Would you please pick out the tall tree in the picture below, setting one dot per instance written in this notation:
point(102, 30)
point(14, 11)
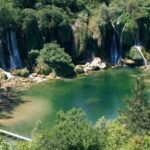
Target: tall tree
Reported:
point(137, 111)
point(24, 3)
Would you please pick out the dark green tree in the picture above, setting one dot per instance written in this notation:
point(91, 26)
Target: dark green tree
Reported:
point(71, 132)
point(137, 111)
point(24, 3)
point(55, 57)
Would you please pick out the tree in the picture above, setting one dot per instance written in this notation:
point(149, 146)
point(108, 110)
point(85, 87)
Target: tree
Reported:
point(71, 132)
point(137, 111)
point(55, 57)
point(33, 55)
point(31, 29)
point(117, 136)
point(73, 5)
point(24, 3)
point(4, 145)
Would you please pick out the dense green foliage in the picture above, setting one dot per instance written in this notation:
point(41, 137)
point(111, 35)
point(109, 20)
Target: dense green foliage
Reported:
point(4, 145)
point(81, 27)
point(55, 59)
point(137, 112)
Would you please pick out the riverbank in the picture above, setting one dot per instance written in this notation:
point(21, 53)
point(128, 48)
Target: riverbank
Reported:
point(25, 82)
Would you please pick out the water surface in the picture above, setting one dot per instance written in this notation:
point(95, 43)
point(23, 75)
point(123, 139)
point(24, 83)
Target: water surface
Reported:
point(99, 94)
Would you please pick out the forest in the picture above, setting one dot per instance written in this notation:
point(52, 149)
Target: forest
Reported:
point(80, 29)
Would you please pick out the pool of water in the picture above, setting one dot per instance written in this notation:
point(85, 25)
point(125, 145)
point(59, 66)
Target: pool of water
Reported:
point(98, 94)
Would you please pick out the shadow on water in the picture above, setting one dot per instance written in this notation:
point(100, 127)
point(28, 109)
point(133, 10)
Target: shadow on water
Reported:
point(9, 100)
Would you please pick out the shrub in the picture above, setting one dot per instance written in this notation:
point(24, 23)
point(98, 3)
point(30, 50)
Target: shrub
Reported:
point(21, 72)
point(32, 55)
point(54, 57)
point(42, 68)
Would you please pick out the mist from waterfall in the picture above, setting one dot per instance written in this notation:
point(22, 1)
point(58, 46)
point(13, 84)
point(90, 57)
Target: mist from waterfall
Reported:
point(15, 61)
point(137, 45)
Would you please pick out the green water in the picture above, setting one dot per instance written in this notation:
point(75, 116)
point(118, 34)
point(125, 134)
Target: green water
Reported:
point(99, 94)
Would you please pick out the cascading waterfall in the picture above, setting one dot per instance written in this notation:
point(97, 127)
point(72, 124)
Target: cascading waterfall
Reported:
point(12, 64)
point(15, 61)
point(139, 48)
point(137, 39)
point(114, 51)
point(75, 40)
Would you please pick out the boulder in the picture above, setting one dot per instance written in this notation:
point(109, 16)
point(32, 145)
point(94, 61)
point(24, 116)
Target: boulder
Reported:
point(79, 69)
point(129, 62)
point(34, 74)
point(134, 54)
point(3, 76)
point(103, 66)
point(96, 64)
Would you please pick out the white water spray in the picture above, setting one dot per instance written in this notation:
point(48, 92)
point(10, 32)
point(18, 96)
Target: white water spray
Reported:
point(114, 51)
point(139, 48)
point(15, 61)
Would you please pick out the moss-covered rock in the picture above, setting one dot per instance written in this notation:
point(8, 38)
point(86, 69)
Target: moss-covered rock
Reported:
point(139, 55)
point(134, 54)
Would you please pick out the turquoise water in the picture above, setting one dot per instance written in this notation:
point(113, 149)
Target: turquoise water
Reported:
point(98, 94)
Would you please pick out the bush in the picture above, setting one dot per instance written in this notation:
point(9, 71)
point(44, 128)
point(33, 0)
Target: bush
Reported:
point(21, 72)
point(54, 57)
point(42, 68)
point(23, 3)
point(33, 55)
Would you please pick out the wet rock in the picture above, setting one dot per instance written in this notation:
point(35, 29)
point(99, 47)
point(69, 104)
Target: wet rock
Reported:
point(3, 76)
point(34, 74)
point(79, 69)
point(96, 64)
point(129, 62)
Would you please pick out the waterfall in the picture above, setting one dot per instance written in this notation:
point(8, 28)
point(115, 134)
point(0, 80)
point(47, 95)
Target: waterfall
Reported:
point(114, 51)
point(12, 64)
point(15, 61)
point(139, 48)
point(137, 39)
point(75, 41)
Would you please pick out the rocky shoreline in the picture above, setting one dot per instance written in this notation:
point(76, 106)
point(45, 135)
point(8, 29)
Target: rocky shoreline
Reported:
point(8, 80)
